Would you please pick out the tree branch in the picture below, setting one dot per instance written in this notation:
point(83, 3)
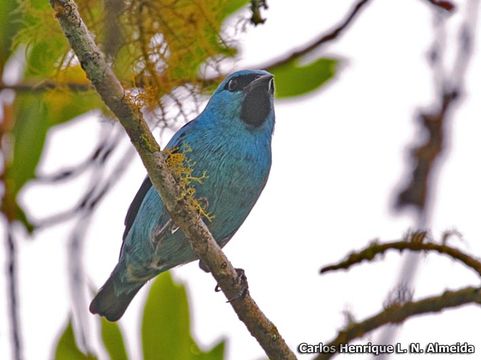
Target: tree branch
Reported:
point(45, 86)
point(13, 293)
point(322, 40)
point(400, 312)
point(189, 221)
point(375, 249)
point(435, 121)
point(443, 4)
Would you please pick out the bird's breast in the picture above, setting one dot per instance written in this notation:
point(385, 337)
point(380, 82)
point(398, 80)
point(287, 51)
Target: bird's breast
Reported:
point(236, 175)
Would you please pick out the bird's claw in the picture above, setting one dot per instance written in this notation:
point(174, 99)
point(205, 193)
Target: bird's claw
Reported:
point(242, 281)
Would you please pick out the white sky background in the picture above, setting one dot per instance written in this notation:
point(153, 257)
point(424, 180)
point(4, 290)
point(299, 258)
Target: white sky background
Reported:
point(339, 158)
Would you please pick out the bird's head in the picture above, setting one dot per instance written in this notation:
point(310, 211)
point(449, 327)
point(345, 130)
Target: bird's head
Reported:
point(245, 96)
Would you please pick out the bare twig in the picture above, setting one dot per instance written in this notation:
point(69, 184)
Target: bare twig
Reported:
point(102, 152)
point(46, 86)
point(322, 40)
point(189, 221)
point(375, 249)
point(443, 4)
point(12, 293)
point(398, 313)
point(426, 155)
point(256, 7)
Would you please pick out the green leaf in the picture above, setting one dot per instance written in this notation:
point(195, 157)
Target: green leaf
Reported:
point(216, 353)
point(43, 56)
point(33, 116)
point(293, 79)
point(67, 348)
point(232, 6)
point(29, 132)
point(9, 24)
point(166, 324)
point(113, 340)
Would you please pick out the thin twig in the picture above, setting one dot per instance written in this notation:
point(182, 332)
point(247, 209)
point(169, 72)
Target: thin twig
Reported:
point(181, 212)
point(46, 86)
point(256, 6)
point(398, 313)
point(322, 40)
point(369, 253)
point(102, 152)
point(426, 155)
point(448, 87)
point(13, 293)
point(443, 4)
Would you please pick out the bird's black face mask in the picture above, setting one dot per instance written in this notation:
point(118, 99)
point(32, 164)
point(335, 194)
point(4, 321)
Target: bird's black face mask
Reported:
point(258, 90)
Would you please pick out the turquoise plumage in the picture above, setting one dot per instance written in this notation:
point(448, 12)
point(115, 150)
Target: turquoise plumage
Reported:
point(229, 142)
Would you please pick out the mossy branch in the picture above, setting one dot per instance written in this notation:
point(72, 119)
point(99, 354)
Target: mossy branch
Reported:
point(400, 312)
point(123, 106)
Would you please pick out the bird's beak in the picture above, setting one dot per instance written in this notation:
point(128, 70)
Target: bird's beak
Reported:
point(262, 81)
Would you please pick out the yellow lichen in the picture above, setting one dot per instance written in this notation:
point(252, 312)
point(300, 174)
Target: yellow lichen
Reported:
point(182, 169)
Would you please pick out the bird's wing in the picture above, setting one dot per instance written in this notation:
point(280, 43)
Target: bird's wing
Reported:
point(135, 205)
point(147, 184)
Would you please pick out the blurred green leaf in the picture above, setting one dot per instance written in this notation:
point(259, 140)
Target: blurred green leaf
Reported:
point(43, 56)
point(293, 79)
point(166, 324)
point(232, 6)
point(216, 353)
point(34, 115)
point(22, 217)
point(67, 348)
point(9, 24)
point(113, 340)
point(29, 132)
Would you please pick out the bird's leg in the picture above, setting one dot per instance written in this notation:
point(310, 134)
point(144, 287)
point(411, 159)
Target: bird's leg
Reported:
point(242, 281)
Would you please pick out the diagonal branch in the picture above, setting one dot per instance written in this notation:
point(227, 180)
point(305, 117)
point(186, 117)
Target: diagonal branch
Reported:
point(375, 249)
point(398, 313)
point(189, 221)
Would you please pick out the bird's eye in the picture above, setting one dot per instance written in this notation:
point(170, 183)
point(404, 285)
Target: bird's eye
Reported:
point(232, 85)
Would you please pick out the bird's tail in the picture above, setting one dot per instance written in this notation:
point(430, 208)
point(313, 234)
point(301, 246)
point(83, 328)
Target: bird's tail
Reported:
point(110, 303)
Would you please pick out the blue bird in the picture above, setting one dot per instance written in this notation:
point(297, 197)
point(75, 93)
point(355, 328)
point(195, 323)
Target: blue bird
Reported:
point(229, 142)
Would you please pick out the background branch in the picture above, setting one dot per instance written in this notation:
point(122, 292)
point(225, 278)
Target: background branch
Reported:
point(45, 86)
point(443, 4)
point(374, 249)
point(398, 313)
point(322, 40)
point(13, 293)
point(189, 221)
point(425, 157)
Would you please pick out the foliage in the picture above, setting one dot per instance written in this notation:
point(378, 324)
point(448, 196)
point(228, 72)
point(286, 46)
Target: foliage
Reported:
point(165, 330)
point(293, 79)
point(163, 46)
point(67, 348)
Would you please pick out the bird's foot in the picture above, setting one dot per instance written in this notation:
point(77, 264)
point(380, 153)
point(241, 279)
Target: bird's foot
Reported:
point(242, 281)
